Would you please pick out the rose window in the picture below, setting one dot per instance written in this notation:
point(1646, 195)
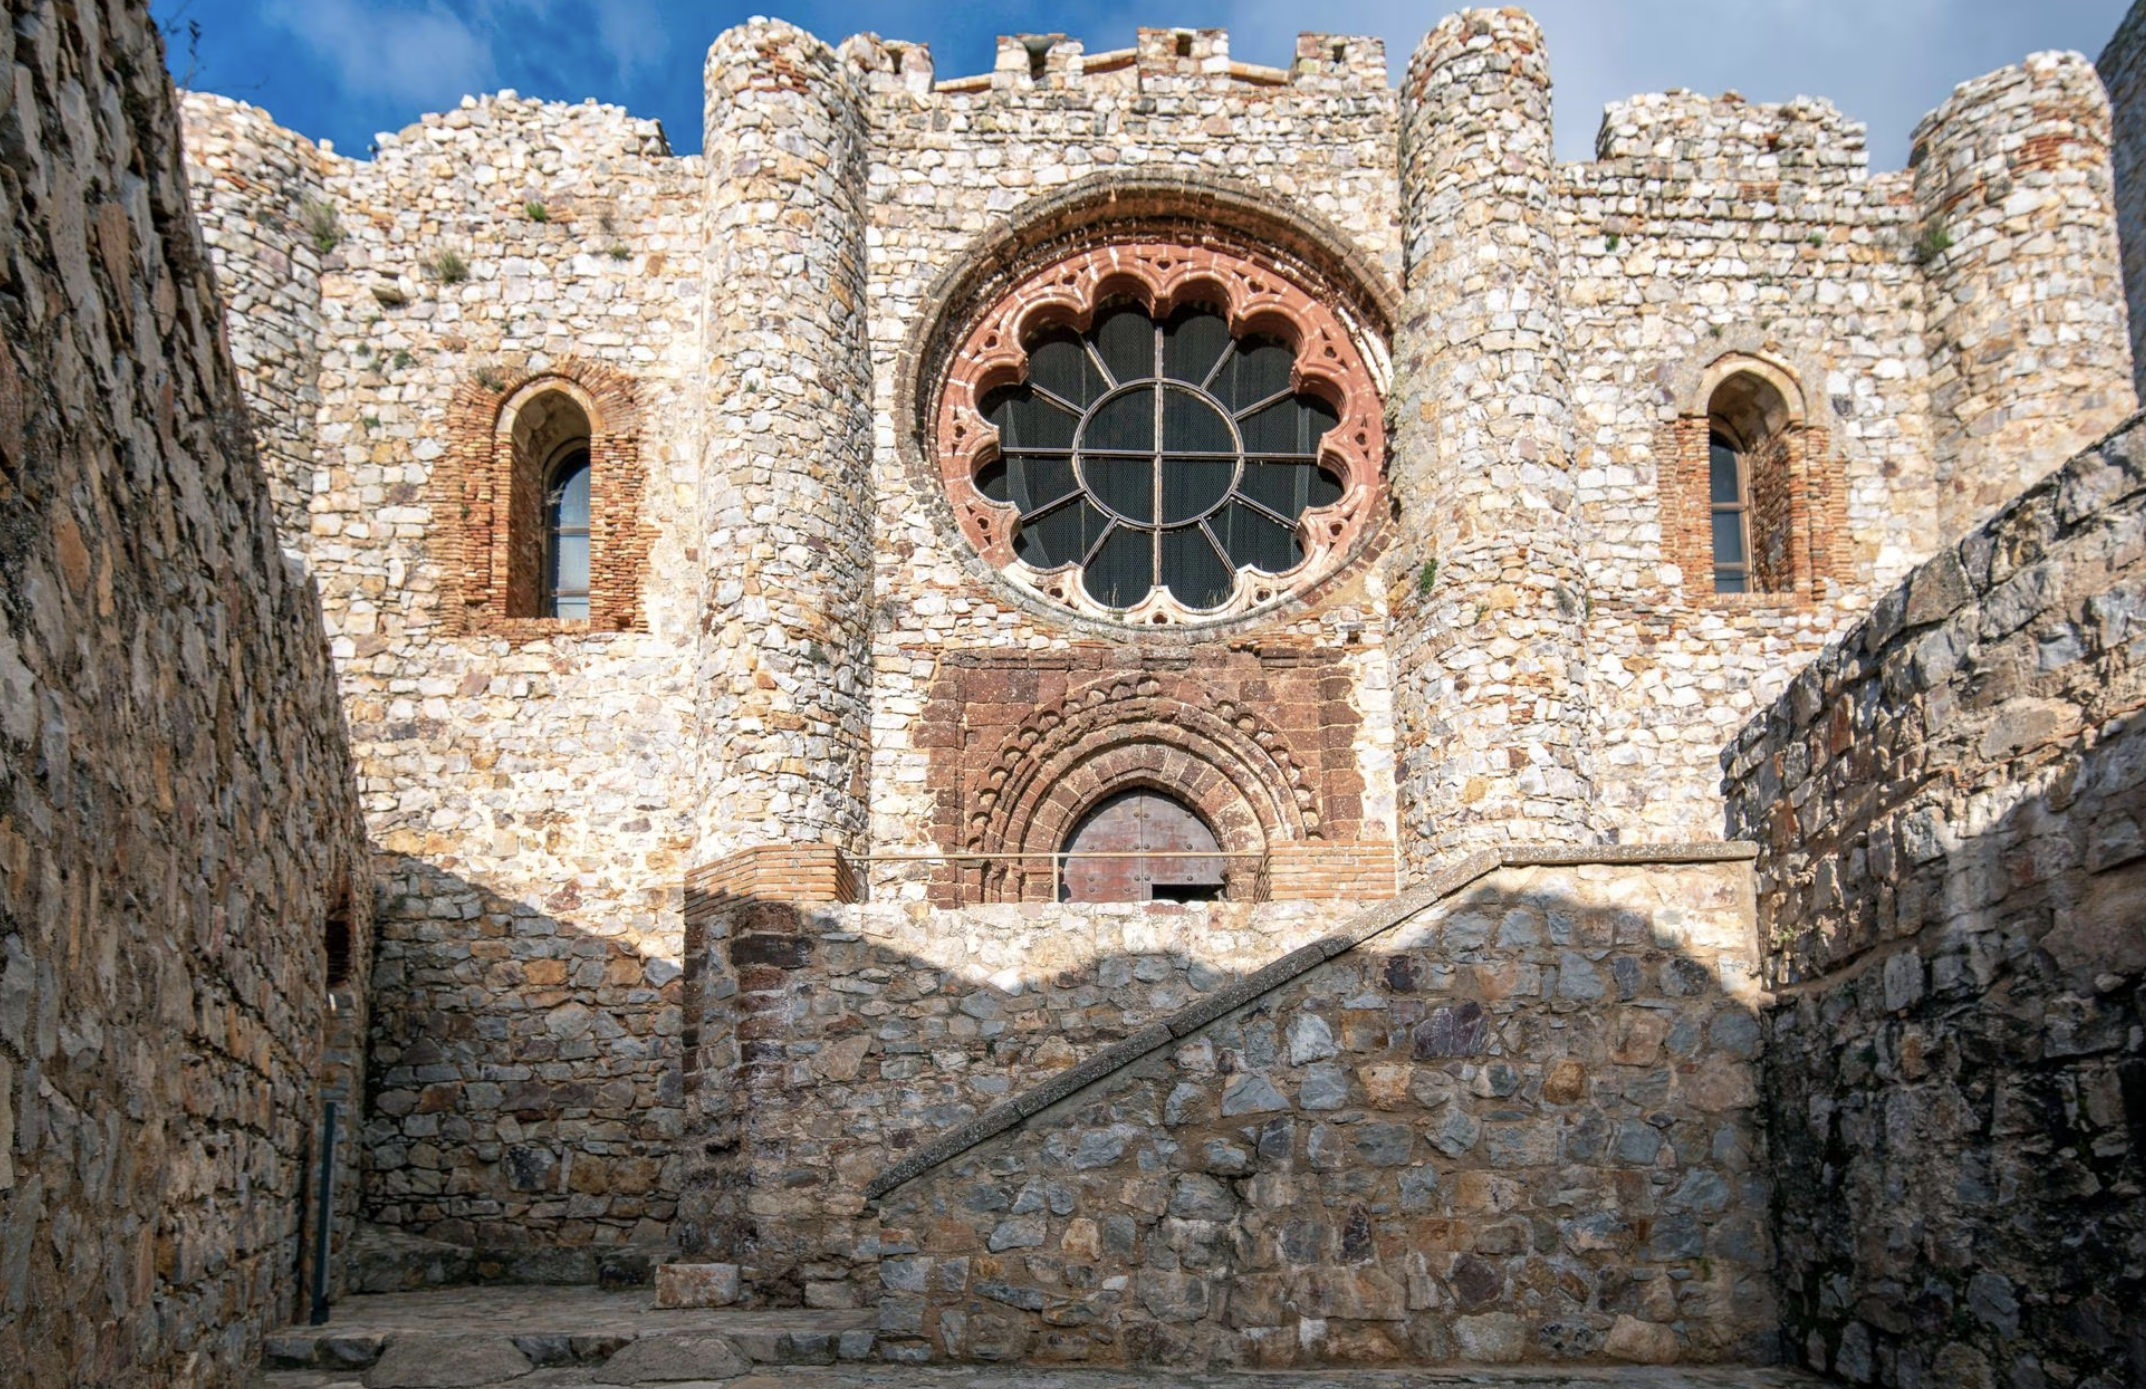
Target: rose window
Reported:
point(1161, 434)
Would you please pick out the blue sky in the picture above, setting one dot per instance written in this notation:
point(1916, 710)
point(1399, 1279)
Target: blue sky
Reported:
point(343, 69)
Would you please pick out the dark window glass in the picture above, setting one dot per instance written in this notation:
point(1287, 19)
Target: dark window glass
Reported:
point(1026, 419)
point(1125, 338)
point(1192, 343)
point(1059, 363)
point(1728, 489)
point(1159, 453)
point(566, 535)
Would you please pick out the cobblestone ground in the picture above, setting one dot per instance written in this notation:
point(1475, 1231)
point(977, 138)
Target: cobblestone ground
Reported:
point(905, 1377)
point(531, 1338)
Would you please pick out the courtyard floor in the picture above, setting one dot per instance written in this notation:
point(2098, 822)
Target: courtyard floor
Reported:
point(558, 1338)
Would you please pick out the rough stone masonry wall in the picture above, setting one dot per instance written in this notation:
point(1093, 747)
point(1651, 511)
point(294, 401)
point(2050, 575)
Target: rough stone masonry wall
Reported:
point(973, 178)
point(1494, 740)
point(1709, 233)
point(529, 794)
point(2017, 232)
point(2122, 69)
point(1953, 870)
point(176, 812)
point(264, 213)
point(868, 1031)
point(785, 501)
point(1519, 1125)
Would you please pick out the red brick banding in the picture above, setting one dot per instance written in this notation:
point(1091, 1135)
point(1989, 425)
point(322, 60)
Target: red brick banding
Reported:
point(1256, 297)
point(490, 543)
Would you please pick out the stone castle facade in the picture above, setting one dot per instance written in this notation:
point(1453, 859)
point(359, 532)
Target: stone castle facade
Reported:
point(1148, 709)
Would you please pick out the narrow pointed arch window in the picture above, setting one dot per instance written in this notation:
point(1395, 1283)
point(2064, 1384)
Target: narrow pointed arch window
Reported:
point(1729, 492)
point(566, 537)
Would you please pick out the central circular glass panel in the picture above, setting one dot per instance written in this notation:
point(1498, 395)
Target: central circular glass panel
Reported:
point(1158, 453)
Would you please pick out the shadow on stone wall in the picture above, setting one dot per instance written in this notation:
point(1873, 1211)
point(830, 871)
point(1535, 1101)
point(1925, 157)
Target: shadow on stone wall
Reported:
point(1951, 808)
point(524, 1100)
point(1958, 1108)
point(1520, 1126)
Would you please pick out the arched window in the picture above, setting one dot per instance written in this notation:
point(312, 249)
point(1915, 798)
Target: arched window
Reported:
point(552, 507)
point(1142, 846)
point(566, 536)
point(1729, 494)
point(1159, 432)
point(1159, 453)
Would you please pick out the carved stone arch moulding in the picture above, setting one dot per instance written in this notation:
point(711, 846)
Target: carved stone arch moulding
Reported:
point(489, 522)
point(1256, 298)
point(1132, 731)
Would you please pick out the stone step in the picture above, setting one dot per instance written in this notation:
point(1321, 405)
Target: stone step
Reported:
point(451, 1337)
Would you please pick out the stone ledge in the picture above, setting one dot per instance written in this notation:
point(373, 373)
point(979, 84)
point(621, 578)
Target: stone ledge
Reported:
point(1442, 883)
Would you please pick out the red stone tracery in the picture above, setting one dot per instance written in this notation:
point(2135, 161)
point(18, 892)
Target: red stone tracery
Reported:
point(1256, 299)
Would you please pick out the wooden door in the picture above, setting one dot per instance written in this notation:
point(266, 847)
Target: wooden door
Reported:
point(1116, 845)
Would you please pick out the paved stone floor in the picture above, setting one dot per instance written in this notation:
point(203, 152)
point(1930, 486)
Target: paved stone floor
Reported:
point(905, 1377)
point(563, 1338)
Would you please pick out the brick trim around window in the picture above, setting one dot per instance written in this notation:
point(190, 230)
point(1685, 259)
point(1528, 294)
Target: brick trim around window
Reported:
point(491, 540)
point(1798, 511)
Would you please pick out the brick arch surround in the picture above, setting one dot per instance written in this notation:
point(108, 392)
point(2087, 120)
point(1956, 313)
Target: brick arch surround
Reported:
point(1161, 274)
point(1224, 230)
point(1170, 734)
point(490, 513)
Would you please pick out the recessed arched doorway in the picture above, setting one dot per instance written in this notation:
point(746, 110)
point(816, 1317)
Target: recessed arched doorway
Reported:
point(1142, 845)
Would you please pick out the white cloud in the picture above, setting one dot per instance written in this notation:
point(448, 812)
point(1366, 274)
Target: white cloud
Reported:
point(1883, 62)
point(631, 33)
point(425, 55)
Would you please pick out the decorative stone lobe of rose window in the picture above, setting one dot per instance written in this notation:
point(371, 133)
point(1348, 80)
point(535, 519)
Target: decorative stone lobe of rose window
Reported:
point(1161, 434)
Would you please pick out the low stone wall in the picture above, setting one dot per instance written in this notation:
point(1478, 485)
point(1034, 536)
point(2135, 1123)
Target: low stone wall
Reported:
point(833, 1040)
point(1951, 883)
point(179, 832)
point(1518, 1125)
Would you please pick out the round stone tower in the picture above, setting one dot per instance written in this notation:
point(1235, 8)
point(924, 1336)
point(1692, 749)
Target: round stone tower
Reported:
point(1490, 679)
point(785, 497)
point(2030, 356)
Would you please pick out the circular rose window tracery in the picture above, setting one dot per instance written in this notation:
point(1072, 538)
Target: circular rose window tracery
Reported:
point(1161, 434)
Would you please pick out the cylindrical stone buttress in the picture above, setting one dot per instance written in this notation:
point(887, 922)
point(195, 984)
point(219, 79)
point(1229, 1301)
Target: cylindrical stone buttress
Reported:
point(1490, 676)
point(2024, 319)
point(785, 500)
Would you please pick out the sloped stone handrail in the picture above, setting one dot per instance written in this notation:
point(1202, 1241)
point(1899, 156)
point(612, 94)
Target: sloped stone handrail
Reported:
point(1442, 883)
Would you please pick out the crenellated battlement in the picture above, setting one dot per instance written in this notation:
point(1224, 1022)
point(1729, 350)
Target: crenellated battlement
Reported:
point(1806, 137)
point(557, 132)
point(1160, 60)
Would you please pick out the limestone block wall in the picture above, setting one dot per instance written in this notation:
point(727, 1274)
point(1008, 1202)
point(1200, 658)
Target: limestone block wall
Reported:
point(2018, 234)
point(1518, 1125)
point(259, 193)
point(2122, 69)
point(973, 181)
point(177, 818)
point(1948, 805)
